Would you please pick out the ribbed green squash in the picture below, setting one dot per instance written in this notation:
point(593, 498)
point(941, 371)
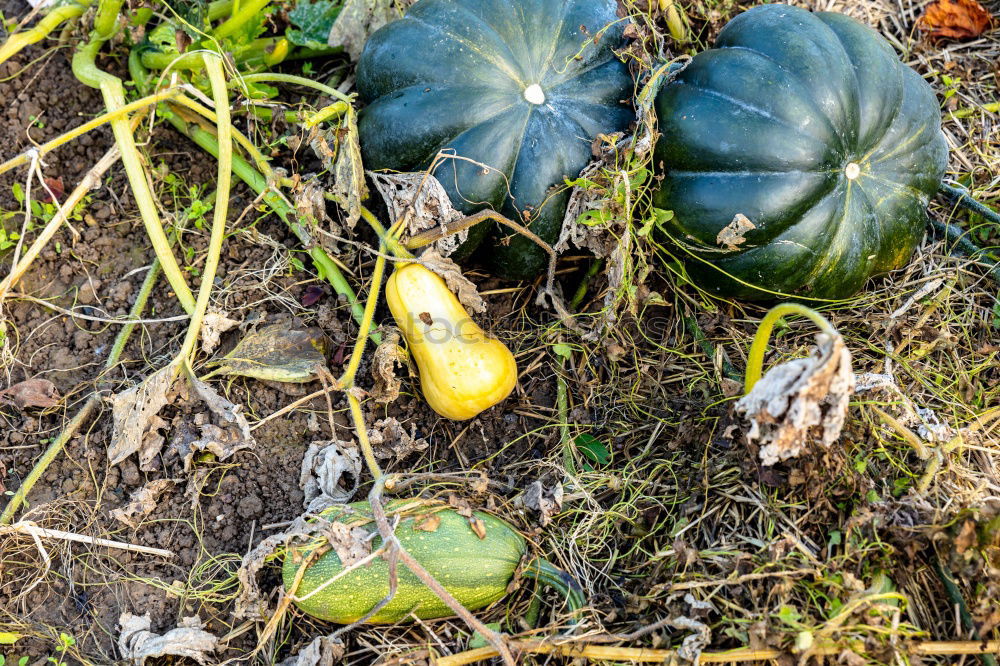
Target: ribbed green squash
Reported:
point(809, 127)
point(475, 571)
point(523, 86)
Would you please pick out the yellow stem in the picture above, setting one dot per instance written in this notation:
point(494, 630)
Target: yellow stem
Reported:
point(362, 431)
point(755, 362)
point(213, 64)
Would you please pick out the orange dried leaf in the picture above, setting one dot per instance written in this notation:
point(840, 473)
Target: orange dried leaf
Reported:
point(955, 19)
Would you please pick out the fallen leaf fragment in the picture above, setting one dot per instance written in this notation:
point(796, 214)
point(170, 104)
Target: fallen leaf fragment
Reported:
point(422, 201)
point(452, 275)
point(391, 440)
point(955, 19)
point(142, 502)
point(323, 651)
point(330, 474)
point(546, 500)
point(215, 324)
point(734, 234)
point(35, 392)
point(137, 643)
point(387, 356)
point(357, 20)
point(352, 544)
point(800, 401)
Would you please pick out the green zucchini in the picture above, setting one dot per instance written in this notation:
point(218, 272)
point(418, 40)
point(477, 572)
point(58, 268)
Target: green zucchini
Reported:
point(476, 571)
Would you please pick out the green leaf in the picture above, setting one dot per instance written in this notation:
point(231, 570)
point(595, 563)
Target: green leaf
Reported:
point(592, 448)
point(562, 350)
point(312, 21)
point(480, 641)
point(9, 637)
point(277, 353)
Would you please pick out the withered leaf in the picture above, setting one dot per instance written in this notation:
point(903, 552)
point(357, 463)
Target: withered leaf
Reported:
point(428, 523)
point(330, 474)
point(800, 401)
point(351, 544)
point(35, 392)
point(214, 325)
point(478, 526)
point(349, 188)
point(387, 356)
point(323, 651)
point(955, 19)
point(134, 412)
point(277, 353)
point(391, 440)
point(546, 500)
point(358, 19)
point(142, 502)
point(137, 643)
point(452, 275)
point(966, 538)
point(734, 234)
point(422, 201)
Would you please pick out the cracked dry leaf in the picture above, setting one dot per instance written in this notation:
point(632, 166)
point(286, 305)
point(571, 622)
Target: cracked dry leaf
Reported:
point(547, 501)
point(800, 401)
point(277, 353)
point(452, 275)
point(352, 544)
point(221, 441)
point(391, 440)
point(323, 651)
point(734, 234)
point(330, 474)
point(955, 19)
point(387, 356)
point(360, 18)
point(214, 325)
point(421, 199)
point(134, 412)
point(142, 502)
point(137, 643)
point(35, 392)
point(344, 162)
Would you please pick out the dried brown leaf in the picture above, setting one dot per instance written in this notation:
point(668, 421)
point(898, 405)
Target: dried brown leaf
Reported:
point(214, 325)
point(360, 18)
point(352, 544)
point(734, 234)
point(428, 523)
point(478, 526)
point(967, 537)
point(421, 200)
point(546, 500)
point(137, 643)
point(349, 188)
point(452, 275)
point(330, 474)
point(35, 392)
point(387, 356)
point(391, 440)
point(323, 651)
point(800, 401)
point(955, 19)
point(134, 412)
point(142, 502)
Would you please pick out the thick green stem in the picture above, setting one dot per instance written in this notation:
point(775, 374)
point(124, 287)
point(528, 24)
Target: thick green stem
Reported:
point(961, 196)
point(391, 242)
point(755, 362)
point(213, 63)
point(247, 11)
point(88, 407)
point(18, 41)
point(547, 573)
point(275, 77)
point(111, 88)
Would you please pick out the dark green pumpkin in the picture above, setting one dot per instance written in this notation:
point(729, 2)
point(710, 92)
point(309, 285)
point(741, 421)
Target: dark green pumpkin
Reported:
point(809, 127)
point(523, 86)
